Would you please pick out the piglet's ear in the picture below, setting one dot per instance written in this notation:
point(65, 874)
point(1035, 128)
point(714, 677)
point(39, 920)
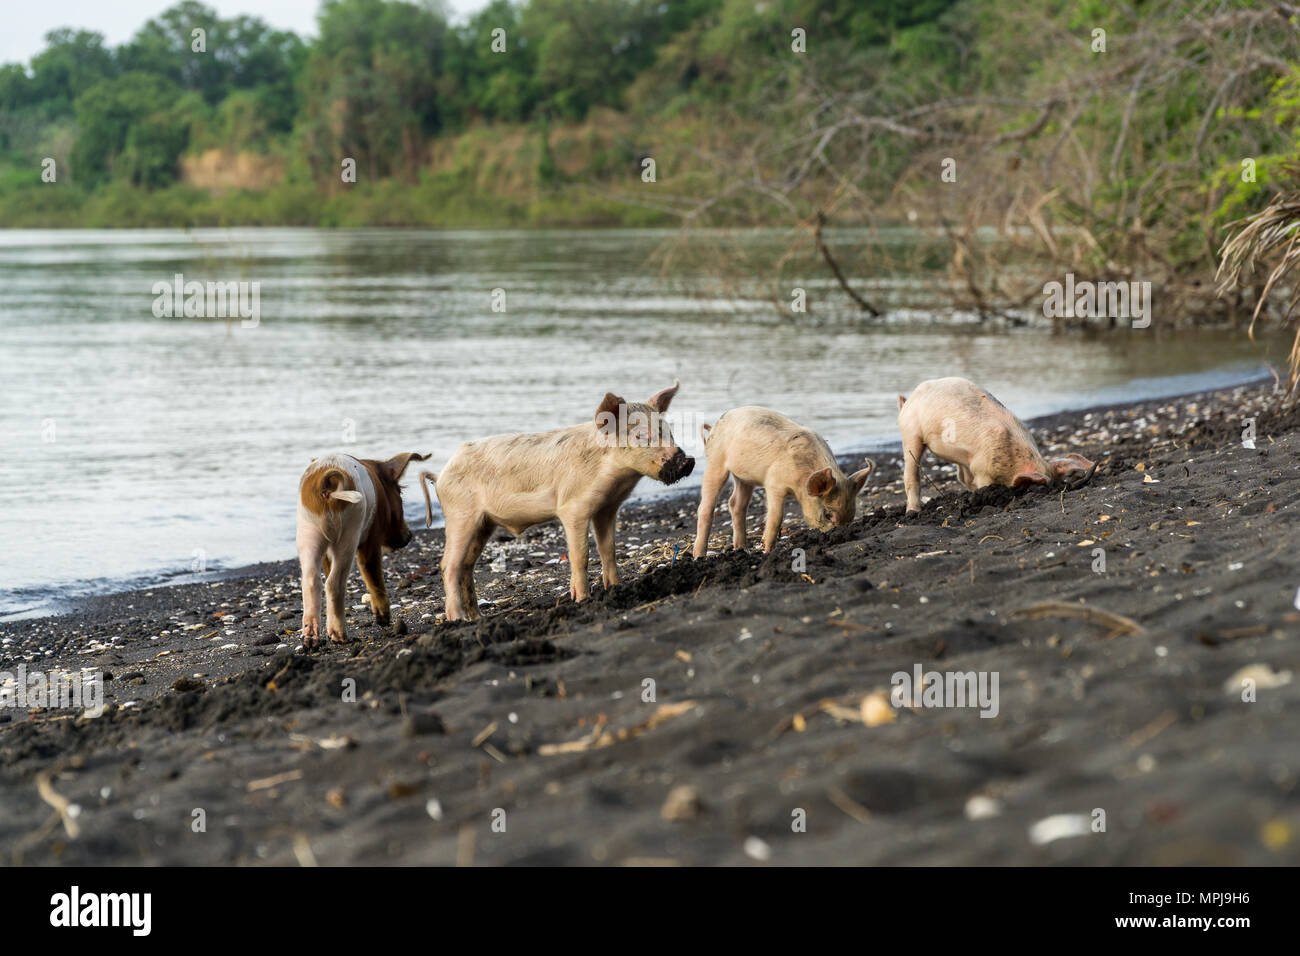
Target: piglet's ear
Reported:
point(820, 483)
point(1071, 462)
point(609, 406)
point(397, 464)
point(659, 402)
point(1030, 478)
point(859, 478)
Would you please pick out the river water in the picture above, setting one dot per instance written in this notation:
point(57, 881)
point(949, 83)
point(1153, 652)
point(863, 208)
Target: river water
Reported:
point(138, 447)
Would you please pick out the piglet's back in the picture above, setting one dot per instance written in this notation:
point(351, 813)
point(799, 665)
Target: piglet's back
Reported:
point(522, 461)
point(943, 403)
point(760, 425)
point(961, 422)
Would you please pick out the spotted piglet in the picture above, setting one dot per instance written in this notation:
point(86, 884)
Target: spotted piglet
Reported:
point(348, 508)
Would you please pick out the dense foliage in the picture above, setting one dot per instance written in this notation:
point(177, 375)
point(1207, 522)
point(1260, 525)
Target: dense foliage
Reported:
point(541, 111)
point(384, 76)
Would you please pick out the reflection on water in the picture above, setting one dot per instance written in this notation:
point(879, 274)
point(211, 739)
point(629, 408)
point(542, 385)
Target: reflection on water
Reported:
point(135, 446)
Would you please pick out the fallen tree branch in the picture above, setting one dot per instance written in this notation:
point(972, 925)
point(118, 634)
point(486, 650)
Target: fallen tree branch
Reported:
point(1117, 622)
point(61, 804)
point(835, 268)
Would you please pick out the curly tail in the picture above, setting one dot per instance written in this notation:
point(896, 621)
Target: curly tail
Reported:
point(427, 478)
point(327, 491)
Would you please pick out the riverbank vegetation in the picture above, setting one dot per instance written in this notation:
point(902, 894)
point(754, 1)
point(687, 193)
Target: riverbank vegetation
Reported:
point(1114, 141)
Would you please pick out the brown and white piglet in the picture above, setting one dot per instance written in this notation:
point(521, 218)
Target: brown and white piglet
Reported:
point(580, 475)
point(962, 423)
point(757, 446)
point(348, 508)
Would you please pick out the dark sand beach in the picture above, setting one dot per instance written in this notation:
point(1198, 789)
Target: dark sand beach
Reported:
point(527, 737)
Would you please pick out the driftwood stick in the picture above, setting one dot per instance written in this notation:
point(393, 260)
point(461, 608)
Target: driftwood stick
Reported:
point(1117, 622)
point(835, 268)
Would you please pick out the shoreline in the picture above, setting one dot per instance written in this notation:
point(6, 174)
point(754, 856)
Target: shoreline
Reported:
point(688, 491)
point(1118, 690)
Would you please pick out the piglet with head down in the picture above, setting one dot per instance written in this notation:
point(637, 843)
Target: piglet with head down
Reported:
point(963, 424)
point(758, 447)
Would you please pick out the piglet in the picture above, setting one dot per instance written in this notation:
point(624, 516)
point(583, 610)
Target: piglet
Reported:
point(757, 446)
point(348, 507)
point(960, 422)
point(579, 474)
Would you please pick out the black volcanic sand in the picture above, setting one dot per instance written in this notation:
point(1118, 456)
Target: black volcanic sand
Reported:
point(526, 738)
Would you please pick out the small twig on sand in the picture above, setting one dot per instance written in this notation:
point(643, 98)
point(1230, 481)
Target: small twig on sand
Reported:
point(271, 684)
point(650, 604)
point(1117, 623)
point(62, 805)
point(600, 737)
point(854, 625)
point(302, 850)
point(850, 806)
point(465, 841)
point(1234, 633)
point(923, 474)
point(266, 783)
point(35, 837)
point(1153, 729)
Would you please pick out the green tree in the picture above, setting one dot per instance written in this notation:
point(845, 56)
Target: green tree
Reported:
point(16, 90)
point(242, 53)
point(136, 111)
point(478, 82)
point(370, 87)
point(589, 51)
point(72, 62)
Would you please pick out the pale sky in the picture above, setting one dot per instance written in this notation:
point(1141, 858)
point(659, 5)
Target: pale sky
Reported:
point(24, 23)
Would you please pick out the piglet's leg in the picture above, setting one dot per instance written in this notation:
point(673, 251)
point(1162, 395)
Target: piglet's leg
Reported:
point(965, 477)
point(336, 584)
point(469, 593)
point(775, 514)
point(453, 567)
point(370, 560)
point(913, 449)
point(602, 522)
point(575, 533)
point(739, 504)
point(310, 548)
point(709, 488)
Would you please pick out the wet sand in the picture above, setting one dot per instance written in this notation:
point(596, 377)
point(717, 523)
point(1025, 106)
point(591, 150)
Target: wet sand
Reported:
point(529, 736)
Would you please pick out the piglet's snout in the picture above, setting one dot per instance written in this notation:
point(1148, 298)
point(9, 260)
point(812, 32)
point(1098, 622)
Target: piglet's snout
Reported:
point(676, 468)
